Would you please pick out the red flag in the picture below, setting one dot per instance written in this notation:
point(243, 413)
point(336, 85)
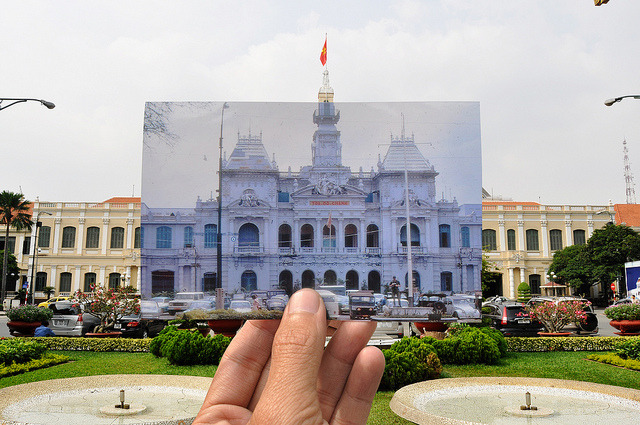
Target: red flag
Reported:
point(323, 55)
point(329, 222)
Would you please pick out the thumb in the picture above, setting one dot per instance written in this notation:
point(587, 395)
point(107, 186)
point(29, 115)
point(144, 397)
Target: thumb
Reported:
point(296, 355)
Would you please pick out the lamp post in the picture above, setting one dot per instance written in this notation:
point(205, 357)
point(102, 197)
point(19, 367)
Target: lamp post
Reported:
point(219, 234)
point(35, 255)
point(610, 102)
point(13, 101)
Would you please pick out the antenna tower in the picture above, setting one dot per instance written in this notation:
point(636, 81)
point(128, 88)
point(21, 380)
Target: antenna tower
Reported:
point(628, 176)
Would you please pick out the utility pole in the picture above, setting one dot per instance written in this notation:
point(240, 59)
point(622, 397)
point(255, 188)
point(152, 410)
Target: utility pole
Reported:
point(628, 176)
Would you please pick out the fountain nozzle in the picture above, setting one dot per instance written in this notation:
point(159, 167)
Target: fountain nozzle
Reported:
point(122, 404)
point(527, 398)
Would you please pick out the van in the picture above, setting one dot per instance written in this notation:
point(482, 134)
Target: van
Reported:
point(330, 303)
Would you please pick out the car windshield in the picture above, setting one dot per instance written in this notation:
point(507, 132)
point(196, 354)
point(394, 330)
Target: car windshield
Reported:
point(185, 297)
point(362, 300)
point(239, 304)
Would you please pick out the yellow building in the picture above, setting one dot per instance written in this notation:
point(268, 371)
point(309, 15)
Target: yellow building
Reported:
point(79, 244)
point(520, 238)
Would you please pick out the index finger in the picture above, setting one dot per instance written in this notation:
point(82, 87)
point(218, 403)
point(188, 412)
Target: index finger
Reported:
point(243, 362)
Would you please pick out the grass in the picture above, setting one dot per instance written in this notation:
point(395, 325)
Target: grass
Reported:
point(558, 365)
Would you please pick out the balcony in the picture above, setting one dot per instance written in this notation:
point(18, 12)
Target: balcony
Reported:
point(373, 250)
point(248, 249)
point(285, 250)
point(415, 250)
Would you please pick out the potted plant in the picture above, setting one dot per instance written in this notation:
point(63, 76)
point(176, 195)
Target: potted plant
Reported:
point(625, 318)
point(227, 322)
point(108, 305)
point(25, 319)
point(555, 315)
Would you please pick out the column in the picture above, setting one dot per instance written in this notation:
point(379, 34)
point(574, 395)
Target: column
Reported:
point(76, 281)
point(129, 233)
point(362, 237)
point(295, 235)
point(502, 234)
point(56, 235)
point(521, 239)
point(545, 236)
point(105, 234)
point(54, 276)
point(80, 235)
point(339, 235)
point(318, 235)
point(569, 231)
point(394, 236)
point(589, 226)
point(102, 276)
point(512, 285)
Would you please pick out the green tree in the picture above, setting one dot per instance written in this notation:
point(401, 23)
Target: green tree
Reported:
point(573, 267)
point(14, 212)
point(489, 279)
point(524, 292)
point(12, 264)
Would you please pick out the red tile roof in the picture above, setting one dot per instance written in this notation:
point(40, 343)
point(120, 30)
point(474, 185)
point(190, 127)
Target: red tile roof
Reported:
point(123, 200)
point(628, 214)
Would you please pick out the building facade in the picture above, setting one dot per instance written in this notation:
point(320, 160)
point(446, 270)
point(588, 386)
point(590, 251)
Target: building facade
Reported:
point(79, 244)
point(520, 238)
point(323, 224)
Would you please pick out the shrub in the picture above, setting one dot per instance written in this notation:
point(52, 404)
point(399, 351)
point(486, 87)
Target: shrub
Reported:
point(17, 350)
point(155, 347)
point(45, 361)
point(494, 334)
point(471, 346)
point(129, 345)
point(523, 344)
point(623, 312)
point(29, 313)
point(614, 359)
point(629, 349)
point(186, 347)
point(408, 361)
point(524, 292)
point(556, 315)
point(456, 327)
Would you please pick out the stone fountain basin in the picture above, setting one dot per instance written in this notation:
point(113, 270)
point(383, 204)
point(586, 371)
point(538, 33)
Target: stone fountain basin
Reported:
point(487, 400)
point(169, 400)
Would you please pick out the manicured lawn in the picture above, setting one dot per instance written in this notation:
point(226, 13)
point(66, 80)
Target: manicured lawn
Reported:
point(559, 365)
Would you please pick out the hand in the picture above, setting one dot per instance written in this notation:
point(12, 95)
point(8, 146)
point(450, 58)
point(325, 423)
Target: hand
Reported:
point(282, 374)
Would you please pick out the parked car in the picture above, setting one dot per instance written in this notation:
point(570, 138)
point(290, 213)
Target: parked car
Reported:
point(69, 319)
point(343, 304)
point(362, 305)
point(511, 319)
point(241, 306)
point(465, 308)
point(54, 300)
point(277, 302)
point(496, 299)
point(145, 324)
point(183, 300)
point(163, 303)
point(591, 323)
point(330, 302)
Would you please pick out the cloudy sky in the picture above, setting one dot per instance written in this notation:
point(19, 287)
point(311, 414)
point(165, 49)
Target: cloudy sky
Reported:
point(540, 70)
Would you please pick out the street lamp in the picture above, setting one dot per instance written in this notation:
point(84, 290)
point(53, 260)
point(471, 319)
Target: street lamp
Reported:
point(219, 299)
point(610, 102)
point(49, 105)
point(35, 256)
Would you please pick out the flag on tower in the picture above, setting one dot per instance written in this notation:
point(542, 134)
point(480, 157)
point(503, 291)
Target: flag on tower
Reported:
point(323, 55)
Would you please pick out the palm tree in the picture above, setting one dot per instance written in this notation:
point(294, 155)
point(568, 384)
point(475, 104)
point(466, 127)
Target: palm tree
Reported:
point(14, 211)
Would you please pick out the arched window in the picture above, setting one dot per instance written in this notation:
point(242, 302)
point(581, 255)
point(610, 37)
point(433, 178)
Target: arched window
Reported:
point(445, 236)
point(69, 237)
point(249, 235)
point(65, 282)
point(188, 237)
point(352, 280)
point(373, 240)
point(579, 237)
point(284, 236)
point(306, 236)
point(416, 281)
point(330, 277)
point(511, 240)
point(210, 235)
point(555, 239)
point(137, 240)
point(44, 236)
point(373, 281)
point(114, 280)
point(285, 281)
point(162, 281)
point(89, 282)
point(329, 237)
point(117, 238)
point(465, 238)
point(249, 281)
point(446, 281)
point(415, 235)
point(41, 281)
point(93, 237)
point(532, 240)
point(489, 240)
point(350, 236)
point(163, 237)
point(308, 279)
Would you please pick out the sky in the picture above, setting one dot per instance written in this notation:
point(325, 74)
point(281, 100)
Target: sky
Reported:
point(540, 71)
point(179, 164)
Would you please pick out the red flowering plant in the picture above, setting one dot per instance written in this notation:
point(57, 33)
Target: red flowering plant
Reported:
point(108, 305)
point(555, 315)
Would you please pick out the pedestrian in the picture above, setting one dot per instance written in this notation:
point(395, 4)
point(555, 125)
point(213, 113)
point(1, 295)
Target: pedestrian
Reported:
point(256, 303)
point(395, 290)
point(634, 300)
point(43, 329)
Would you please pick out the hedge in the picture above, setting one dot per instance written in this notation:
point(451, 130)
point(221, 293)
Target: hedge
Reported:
point(585, 343)
point(95, 344)
point(614, 359)
point(46, 360)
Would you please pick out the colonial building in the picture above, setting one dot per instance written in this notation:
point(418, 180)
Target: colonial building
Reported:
point(520, 238)
point(324, 223)
point(79, 244)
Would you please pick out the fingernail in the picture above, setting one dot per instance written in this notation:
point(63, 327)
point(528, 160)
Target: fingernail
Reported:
point(304, 301)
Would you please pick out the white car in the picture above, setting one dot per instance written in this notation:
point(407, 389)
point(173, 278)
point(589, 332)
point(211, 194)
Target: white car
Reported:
point(241, 306)
point(464, 308)
point(183, 300)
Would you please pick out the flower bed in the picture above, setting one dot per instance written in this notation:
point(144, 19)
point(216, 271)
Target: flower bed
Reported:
point(96, 344)
point(524, 344)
